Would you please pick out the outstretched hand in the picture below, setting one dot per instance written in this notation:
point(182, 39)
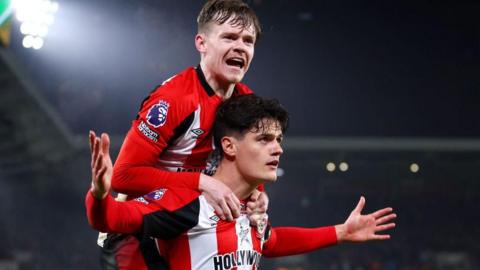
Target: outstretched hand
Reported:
point(361, 228)
point(101, 165)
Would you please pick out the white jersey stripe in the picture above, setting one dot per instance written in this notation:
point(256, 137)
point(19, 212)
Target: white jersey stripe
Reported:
point(245, 243)
point(175, 155)
point(203, 238)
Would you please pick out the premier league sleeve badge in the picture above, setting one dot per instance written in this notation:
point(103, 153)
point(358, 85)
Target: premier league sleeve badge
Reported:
point(157, 114)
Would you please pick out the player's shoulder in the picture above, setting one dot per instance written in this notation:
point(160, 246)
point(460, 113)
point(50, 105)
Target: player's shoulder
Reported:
point(178, 85)
point(176, 92)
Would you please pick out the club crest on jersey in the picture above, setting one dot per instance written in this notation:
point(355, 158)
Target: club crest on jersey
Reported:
point(157, 194)
point(157, 114)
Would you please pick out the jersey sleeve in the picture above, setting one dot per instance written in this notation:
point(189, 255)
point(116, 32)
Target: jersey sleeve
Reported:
point(160, 116)
point(286, 241)
point(162, 213)
point(108, 215)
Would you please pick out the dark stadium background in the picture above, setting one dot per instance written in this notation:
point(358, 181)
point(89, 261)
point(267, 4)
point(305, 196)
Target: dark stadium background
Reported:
point(379, 85)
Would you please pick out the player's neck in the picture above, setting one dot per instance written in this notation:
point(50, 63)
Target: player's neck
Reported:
point(221, 89)
point(229, 175)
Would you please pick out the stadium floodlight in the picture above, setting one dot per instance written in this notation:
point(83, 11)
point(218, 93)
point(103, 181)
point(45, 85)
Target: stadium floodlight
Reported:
point(27, 41)
point(343, 166)
point(330, 167)
point(35, 17)
point(414, 168)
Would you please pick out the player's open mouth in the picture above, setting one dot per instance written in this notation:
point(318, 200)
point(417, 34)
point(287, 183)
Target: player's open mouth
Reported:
point(273, 163)
point(236, 62)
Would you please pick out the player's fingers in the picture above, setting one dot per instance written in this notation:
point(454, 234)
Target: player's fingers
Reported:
point(235, 200)
point(262, 206)
point(100, 174)
point(98, 163)
point(234, 208)
point(382, 212)
point(218, 210)
point(96, 151)
point(251, 207)
point(381, 237)
point(91, 139)
point(360, 205)
point(255, 219)
point(384, 227)
point(92, 156)
point(385, 219)
point(96, 172)
point(255, 195)
point(105, 143)
point(223, 210)
point(259, 206)
point(264, 200)
point(226, 210)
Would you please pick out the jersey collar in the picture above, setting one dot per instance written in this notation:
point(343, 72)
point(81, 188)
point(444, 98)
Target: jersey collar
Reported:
point(205, 84)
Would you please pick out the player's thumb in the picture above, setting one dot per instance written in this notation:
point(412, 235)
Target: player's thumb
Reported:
point(361, 203)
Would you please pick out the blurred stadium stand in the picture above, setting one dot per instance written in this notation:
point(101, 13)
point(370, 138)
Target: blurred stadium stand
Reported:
point(32, 135)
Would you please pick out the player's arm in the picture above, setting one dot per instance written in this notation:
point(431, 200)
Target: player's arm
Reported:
point(103, 212)
point(135, 173)
point(285, 241)
point(108, 215)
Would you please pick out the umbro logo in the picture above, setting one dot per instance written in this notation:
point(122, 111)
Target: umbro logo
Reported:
point(197, 132)
point(214, 218)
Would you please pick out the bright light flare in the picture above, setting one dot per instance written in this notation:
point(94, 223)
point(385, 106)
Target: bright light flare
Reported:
point(32, 42)
point(36, 16)
point(28, 42)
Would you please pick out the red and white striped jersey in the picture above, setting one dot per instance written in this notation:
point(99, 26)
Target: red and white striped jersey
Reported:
point(172, 132)
point(191, 237)
point(214, 244)
point(188, 232)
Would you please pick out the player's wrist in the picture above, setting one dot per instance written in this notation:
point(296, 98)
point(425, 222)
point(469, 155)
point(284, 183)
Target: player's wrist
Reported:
point(204, 182)
point(341, 232)
point(97, 194)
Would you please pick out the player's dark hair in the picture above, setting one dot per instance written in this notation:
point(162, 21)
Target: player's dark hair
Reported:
point(241, 114)
point(219, 11)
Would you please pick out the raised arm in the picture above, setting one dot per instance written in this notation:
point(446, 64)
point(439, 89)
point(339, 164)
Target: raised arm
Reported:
point(285, 241)
point(103, 212)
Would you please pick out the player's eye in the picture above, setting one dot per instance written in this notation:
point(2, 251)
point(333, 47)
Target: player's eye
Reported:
point(248, 40)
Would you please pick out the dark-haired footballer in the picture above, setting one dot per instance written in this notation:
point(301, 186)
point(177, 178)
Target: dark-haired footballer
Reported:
point(188, 233)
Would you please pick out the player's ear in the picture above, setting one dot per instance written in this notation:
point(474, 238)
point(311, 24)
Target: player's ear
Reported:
point(228, 145)
point(200, 42)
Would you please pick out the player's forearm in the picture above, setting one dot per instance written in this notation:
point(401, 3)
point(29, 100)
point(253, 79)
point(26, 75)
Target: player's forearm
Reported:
point(286, 241)
point(140, 180)
point(135, 173)
point(96, 212)
point(107, 215)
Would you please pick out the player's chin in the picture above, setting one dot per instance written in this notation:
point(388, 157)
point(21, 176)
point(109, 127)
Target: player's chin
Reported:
point(235, 75)
point(235, 78)
point(270, 177)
